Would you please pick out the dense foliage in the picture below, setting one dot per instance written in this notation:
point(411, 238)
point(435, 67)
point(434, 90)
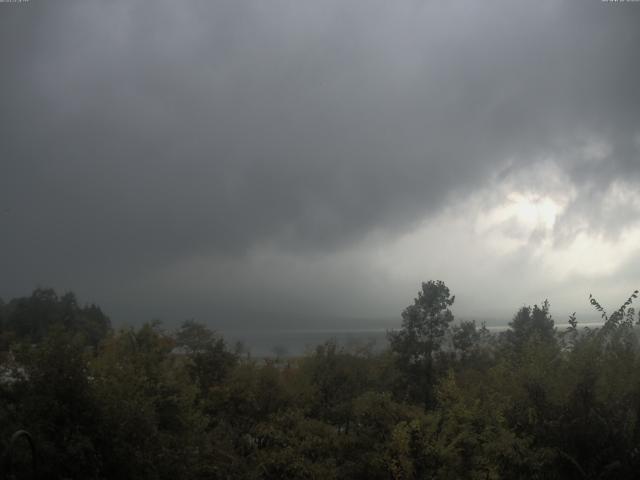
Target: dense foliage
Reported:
point(445, 400)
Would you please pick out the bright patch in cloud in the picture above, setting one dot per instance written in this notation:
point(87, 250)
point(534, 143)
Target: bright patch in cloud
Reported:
point(515, 221)
point(509, 234)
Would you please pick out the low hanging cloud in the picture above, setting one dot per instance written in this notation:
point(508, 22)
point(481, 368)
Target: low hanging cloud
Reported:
point(165, 156)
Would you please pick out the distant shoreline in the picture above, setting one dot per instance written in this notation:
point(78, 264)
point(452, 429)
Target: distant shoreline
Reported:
point(297, 341)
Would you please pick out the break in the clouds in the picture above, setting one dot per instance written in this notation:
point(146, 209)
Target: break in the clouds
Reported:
point(246, 161)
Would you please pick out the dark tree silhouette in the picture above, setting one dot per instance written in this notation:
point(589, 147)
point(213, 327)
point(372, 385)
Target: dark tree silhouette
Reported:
point(424, 328)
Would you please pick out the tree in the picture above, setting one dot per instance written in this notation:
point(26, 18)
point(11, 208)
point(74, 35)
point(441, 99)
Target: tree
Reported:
point(471, 344)
point(149, 422)
point(53, 401)
point(337, 377)
point(210, 360)
point(424, 328)
point(30, 318)
point(531, 324)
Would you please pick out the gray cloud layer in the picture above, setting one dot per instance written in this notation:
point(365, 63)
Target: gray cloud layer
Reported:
point(137, 134)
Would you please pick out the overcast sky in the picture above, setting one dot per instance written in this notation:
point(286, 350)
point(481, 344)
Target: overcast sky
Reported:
point(258, 163)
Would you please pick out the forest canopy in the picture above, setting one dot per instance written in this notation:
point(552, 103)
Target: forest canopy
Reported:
point(445, 399)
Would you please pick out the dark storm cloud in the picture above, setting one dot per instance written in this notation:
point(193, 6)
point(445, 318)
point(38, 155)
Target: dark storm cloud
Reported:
point(138, 133)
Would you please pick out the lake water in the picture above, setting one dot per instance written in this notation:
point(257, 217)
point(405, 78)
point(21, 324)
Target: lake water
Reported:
point(297, 342)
